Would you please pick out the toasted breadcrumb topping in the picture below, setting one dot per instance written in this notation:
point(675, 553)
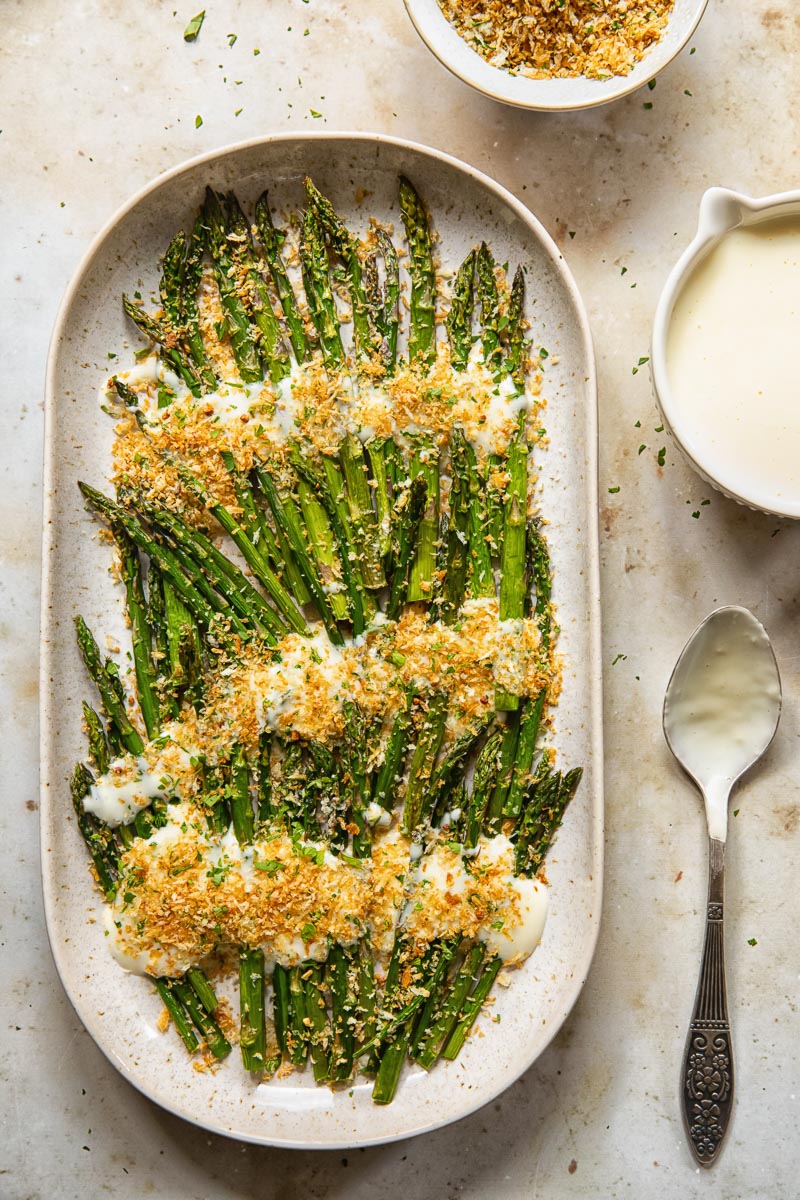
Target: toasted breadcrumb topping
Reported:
point(548, 39)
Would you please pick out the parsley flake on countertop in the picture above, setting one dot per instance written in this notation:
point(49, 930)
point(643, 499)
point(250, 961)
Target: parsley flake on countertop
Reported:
point(193, 28)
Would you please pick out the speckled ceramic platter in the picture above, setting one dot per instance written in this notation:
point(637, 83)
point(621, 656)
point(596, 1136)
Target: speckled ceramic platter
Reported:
point(360, 173)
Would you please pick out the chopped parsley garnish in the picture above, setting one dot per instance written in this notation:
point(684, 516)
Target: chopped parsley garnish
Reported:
point(193, 28)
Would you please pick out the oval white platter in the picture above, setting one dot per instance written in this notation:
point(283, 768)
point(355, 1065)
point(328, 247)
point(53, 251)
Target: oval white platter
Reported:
point(359, 172)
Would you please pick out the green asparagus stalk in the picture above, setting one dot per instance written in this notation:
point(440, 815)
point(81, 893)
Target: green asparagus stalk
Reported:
point(457, 540)
point(271, 240)
point(472, 1007)
point(232, 283)
point(516, 353)
point(178, 1015)
point(407, 528)
point(391, 299)
point(271, 346)
point(489, 299)
point(321, 539)
point(347, 247)
point(106, 679)
point(96, 734)
point(189, 287)
point(97, 836)
point(422, 334)
point(252, 1030)
point(140, 632)
point(425, 463)
point(362, 516)
point(423, 761)
point(317, 284)
point(459, 319)
point(513, 585)
point(171, 351)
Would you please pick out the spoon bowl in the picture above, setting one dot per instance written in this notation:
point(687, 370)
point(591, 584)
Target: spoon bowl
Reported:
point(722, 706)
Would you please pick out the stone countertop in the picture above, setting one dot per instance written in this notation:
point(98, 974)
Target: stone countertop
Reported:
point(98, 97)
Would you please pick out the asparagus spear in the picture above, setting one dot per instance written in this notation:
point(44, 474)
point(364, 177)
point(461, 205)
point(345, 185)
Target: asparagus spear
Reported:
point(423, 760)
point(347, 247)
point(422, 334)
point(391, 298)
point(98, 746)
point(172, 353)
point(188, 587)
point(425, 464)
point(406, 531)
point(271, 240)
point(191, 279)
point(317, 284)
point(362, 516)
point(106, 678)
point(274, 354)
point(321, 538)
point(513, 574)
point(517, 346)
point(457, 540)
point(489, 299)
point(459, 319)
point(140, 631)
point(232, 282)
point(252, 1030)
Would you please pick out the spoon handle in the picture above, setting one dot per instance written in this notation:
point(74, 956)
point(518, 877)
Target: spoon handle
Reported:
point(707, 1074)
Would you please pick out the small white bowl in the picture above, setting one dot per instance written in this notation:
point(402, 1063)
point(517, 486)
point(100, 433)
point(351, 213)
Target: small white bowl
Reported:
point(721, 210)
point(559, 95)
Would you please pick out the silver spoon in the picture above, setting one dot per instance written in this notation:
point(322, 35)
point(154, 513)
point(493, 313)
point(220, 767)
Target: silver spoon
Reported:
point(721, 710)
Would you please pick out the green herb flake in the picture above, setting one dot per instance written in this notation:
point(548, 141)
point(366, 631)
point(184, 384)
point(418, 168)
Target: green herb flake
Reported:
point(696, 514)
point(638, 425)
point(613, 490)
point(572, 233)
point(642, 447)
point(232, 38)
point(270, 865)
point(314, 112)
point(647, 104)
point(619, 658)
point(662, 456)
point(198, 121)
point(256, 53)
point(308, 932)
point(752, 942)
point(193, 28)
point(651, 83)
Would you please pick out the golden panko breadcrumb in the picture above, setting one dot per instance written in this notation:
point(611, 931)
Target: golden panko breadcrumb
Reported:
point(547, 39)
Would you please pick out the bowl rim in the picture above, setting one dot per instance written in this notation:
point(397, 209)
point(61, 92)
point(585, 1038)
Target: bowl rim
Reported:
point(418, 10)
point(721, 211)
point(49, 892)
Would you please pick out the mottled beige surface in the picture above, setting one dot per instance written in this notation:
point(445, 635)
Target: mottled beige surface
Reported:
point(94, 103)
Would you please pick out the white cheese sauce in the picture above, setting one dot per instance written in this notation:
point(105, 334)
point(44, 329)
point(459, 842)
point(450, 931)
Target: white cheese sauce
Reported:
point(733, 363)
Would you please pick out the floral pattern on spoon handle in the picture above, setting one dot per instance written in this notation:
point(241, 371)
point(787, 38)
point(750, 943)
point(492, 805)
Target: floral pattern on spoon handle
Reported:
point(707, 1075)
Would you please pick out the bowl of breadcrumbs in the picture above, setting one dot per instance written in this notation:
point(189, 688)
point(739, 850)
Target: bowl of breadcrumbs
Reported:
point(555, 54)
